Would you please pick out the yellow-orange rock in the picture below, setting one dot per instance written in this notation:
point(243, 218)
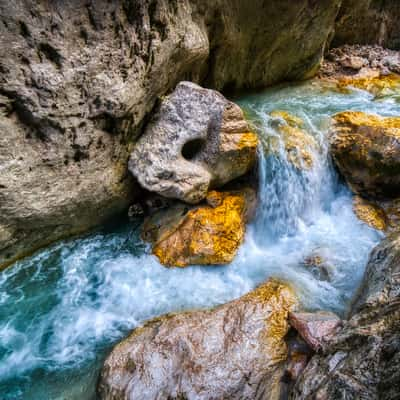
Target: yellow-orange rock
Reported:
point(299, 145)
point(234, 351)
point(207, 234)
point(381, 215)
point(366, 149)
point(372, 81)
point(370, 213)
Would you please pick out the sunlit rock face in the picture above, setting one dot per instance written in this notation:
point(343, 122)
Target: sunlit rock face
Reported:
point(299, 146)
point(370, 213)
point(374, 82)
point(208, 234)
point(366, 149)
point(196, 140)
point(362, 361)
point(235, 351)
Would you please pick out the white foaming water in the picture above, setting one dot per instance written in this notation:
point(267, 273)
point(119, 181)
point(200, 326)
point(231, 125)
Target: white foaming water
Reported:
point(62, 310)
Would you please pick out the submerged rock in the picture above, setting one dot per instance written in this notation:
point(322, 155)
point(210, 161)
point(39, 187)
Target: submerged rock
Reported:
point(366, 150)
point(318, 266)
point(207, 234)
point(363, 360)
point(196, 141)
point(235, 351)
point(298, 144)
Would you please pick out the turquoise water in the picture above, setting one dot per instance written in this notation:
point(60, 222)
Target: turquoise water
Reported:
point(62, 309)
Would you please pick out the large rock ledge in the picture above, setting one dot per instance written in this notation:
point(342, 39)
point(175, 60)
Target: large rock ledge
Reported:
point(78, 78)
point(235, 351)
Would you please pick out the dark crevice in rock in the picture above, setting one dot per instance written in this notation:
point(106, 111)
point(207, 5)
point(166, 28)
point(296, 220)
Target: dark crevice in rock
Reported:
point(192, 148)
point(24, 29)
point(51, 53)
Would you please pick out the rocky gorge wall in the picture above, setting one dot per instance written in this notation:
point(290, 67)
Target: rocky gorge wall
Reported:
point(78, 80)
point(368, 22)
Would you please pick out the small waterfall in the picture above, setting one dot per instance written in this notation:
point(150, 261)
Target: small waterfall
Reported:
point(288, 195)
point(62, 309)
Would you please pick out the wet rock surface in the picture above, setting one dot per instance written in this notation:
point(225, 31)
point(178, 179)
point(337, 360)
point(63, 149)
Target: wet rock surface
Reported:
point(299, 146)
point(196, 141)
point(370, 213)
point(366, 150)
point(208, 234)
point(235, 351)
point(363, 360)
point(77, 80)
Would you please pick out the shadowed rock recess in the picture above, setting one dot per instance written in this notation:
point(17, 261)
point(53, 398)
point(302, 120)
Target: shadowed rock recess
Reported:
point(77, 79)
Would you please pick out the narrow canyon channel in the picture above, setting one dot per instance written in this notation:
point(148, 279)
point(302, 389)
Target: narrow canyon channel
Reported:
point(63, 309)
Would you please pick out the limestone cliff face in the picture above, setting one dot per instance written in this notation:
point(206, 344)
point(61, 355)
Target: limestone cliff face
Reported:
point(78, 78)
point(368, 22)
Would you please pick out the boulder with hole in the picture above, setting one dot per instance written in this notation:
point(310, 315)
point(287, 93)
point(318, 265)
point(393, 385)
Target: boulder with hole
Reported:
point(196, 141)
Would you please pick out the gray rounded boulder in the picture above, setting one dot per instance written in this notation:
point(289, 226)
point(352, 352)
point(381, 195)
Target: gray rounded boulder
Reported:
point(196, 141)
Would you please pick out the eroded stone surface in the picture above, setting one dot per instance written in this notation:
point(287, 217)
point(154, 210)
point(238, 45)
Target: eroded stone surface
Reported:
point(315, 328)
point(78, 78)
point(196, 141)
point(207, 234)
point(366, 149)
point(363, 360)
point(235, 351)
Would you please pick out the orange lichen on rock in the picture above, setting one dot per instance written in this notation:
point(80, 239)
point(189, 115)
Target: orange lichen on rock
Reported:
point(208, 234)
point(299, 145)
point(194, 352)
point(370, 213)
point(281, 300)
point(372, 81)
point(358, 118)
point(366, 149)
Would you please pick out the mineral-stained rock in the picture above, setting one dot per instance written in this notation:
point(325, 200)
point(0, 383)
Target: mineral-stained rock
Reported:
point(207, 234)
point(370, 213)
point(370, 68)
point(315, 328)
point(363, 360)
point(366, 150)
point(196, 140)
point(298, 144)
point(78, 77)
point(235, 351)
point(374, 82)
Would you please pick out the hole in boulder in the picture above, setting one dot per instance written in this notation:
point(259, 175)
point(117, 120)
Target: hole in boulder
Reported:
point(192, 148)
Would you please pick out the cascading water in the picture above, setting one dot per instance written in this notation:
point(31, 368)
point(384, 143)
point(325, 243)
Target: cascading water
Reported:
point(62, 309)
